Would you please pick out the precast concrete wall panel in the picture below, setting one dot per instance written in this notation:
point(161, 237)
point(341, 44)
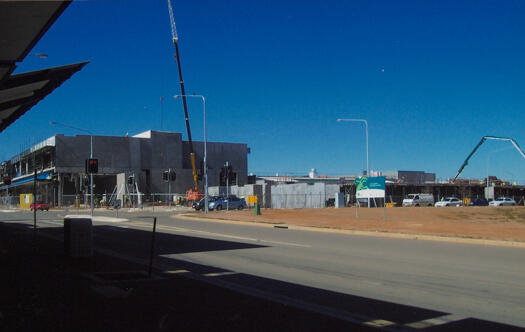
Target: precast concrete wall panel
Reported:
point(239, 191)
point(302, 195)
point(236, 154)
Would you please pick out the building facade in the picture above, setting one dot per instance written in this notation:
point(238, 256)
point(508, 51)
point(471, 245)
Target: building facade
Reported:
point(60, 165)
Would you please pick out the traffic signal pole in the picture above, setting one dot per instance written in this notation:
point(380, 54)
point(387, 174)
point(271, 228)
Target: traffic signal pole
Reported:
point(169, 188)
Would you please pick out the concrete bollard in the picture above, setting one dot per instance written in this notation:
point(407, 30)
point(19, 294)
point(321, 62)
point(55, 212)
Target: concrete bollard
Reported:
point(78, 236)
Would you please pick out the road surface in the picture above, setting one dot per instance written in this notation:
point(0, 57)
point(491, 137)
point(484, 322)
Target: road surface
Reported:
point(385, 282)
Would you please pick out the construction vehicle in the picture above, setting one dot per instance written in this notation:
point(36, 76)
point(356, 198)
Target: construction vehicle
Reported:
point(194, 193)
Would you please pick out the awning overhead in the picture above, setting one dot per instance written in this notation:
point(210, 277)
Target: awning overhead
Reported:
point(22, 24)
point(21, 92)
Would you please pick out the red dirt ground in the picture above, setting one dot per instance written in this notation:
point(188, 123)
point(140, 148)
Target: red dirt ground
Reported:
point(494, 223)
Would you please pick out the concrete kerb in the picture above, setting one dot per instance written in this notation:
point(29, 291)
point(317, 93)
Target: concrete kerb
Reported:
point(97, 218)
point(384, 234)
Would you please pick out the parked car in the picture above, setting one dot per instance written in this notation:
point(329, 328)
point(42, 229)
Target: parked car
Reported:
point(449, 201)
point(232, 202)
point(199, 205)
point(39, 206)
point(502, 201)
point(419, 200)
point(478, 201)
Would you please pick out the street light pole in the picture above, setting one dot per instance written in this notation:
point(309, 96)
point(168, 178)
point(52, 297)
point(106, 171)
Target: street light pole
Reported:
point(205, 152)
point(227, 187)
point(366, 130)
point(90, 155)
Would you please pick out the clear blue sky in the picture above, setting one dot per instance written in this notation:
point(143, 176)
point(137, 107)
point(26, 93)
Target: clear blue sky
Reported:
point(431, 78)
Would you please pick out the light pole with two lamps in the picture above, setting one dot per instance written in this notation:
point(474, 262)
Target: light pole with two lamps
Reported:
point(90, 154)
point(205, 152)
point(367, 160)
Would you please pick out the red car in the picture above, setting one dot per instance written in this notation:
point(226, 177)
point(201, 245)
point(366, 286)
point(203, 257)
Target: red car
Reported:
point(40, 206)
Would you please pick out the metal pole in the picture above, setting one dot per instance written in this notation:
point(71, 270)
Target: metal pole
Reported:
point(367, 162)
point(91, 174)
point(205, 148)
point(488, 157)
point(205, 158)
point(227, 187)
point(169, 189)
point(367, 159)
point(152, 249)
point(34, 191)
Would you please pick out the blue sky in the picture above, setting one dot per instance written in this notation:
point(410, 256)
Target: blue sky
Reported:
point(431, 78)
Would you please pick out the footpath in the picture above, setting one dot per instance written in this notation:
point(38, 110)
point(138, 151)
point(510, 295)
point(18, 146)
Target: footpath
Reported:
point(44, 290)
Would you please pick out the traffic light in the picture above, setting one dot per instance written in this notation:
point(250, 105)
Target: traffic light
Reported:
point(173, 176)
point(232, 179)
point(222, 177)
point(86, 181)
point(131, 179)
point(7, 180)
point(165, 176)
point(91, 166)
point(227, 176)
point(200, 173)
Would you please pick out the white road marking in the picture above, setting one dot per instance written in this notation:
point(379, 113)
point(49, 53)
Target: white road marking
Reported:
point(243, 238)
point(379, 323)
point(218, 274)
point(50, 222)
point(435, 321)
point(288, 243)
point(175, 271)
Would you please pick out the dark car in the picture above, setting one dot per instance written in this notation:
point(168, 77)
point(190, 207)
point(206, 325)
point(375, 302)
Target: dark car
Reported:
point(479, 202)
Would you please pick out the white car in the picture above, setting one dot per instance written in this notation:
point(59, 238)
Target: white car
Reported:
point(449, 201)
point(501, 201)
point(419, 200)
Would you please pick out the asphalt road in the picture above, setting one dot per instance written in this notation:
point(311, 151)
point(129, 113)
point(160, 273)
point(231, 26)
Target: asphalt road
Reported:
point(387, 282)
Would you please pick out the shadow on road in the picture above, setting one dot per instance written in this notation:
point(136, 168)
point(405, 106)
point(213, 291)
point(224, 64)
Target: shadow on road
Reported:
point(199, 297)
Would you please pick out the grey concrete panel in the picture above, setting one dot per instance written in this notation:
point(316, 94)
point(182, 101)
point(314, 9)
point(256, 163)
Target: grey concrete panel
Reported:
point(302, 195)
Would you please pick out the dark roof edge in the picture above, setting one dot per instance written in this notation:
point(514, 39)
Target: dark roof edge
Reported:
point(46, 27)
point(66, 72)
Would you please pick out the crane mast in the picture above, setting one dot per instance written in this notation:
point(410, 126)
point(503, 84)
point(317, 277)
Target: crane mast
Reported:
point(175, 39)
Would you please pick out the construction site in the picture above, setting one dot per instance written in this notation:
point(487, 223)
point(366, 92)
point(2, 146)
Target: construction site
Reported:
point(129, 168)
point(160, 168)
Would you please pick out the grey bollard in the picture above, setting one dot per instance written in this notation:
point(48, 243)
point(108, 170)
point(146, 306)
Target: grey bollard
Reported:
point(78, 236)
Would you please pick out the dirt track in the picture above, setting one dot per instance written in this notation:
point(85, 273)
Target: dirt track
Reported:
point(494, 223)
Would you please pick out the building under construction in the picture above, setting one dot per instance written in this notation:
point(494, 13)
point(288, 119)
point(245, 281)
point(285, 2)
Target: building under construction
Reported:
point(133, 164)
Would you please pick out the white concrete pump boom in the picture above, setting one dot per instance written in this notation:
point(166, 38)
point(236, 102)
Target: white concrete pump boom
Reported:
point(483, 139)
